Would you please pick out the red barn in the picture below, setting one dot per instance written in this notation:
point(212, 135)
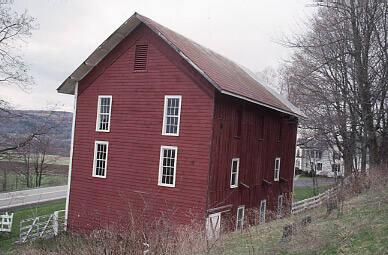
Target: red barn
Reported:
point(163, 125)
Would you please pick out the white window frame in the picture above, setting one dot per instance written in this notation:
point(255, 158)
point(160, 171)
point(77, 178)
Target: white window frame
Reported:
point(276, 170)
point(263, 204)
point(98, 119)
point(162, 148)
point(95, 159)
point(280, 206)
point(233, 186)
point(241, 207)
point(165, 114)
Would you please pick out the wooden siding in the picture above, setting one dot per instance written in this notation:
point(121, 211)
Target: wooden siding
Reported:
point(265, 135)
point(131, 184)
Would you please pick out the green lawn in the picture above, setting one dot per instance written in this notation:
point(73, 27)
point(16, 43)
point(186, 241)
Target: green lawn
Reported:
point(301, 193)
point(7, 240)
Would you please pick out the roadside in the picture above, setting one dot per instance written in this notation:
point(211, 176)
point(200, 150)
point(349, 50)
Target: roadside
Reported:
point(31, 196)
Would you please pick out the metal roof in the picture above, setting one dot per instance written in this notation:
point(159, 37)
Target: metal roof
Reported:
point(225, 75)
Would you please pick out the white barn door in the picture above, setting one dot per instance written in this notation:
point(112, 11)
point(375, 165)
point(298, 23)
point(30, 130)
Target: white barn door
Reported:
point(213, 226)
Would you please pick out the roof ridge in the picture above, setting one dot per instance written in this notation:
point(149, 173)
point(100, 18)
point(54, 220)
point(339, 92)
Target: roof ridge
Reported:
point(226, 75)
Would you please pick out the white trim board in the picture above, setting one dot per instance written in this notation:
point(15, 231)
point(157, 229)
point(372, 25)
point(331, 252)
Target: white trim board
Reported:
point(71, 154)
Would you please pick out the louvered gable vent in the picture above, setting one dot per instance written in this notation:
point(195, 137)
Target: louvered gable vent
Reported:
point(141, 55)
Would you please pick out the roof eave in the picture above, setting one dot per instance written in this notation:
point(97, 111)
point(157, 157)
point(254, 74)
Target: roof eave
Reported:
point(67, 87)
point(263, 104)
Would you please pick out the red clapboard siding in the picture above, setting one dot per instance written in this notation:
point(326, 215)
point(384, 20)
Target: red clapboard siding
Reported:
point(256, 155)
point(135, 138)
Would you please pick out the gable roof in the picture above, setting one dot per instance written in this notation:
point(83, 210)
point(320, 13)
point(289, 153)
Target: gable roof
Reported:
point(225, 75)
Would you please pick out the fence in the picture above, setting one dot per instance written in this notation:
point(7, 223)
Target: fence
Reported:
point(6, 222)
point(45, 226)
point(311, 202)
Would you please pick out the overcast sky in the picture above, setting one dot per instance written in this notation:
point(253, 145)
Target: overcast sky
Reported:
point(69, 30)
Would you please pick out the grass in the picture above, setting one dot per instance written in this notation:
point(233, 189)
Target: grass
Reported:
point(361, 228)
point(7, 240)
point(15, 182)
point(50, 159)
point(301, 193)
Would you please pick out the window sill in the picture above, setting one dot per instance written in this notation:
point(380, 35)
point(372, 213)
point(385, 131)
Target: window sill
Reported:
point(100, 177)
point(164, 134)
point(166, 185)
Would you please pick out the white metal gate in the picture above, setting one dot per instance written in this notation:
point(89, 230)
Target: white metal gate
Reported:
point(6, 222)
point(45, 226)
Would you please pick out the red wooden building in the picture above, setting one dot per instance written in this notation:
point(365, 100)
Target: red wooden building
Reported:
point(165, 126)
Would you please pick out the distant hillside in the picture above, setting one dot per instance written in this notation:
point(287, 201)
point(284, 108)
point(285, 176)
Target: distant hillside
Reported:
point(20, 123)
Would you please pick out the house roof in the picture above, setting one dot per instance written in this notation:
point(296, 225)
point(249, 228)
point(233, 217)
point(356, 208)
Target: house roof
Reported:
point(225, 75)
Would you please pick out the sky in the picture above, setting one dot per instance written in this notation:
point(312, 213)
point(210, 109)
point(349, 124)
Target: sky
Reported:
point(247, 32)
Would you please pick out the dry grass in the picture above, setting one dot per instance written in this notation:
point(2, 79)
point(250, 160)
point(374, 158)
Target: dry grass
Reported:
point(358, 225)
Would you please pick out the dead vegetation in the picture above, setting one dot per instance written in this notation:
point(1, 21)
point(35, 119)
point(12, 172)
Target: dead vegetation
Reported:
point(354, 221)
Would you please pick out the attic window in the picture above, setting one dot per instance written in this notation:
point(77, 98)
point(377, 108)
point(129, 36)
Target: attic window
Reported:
point(141, 55)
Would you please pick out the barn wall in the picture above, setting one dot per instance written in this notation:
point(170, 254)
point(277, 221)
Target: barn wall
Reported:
point(265, 134)
point(135, 139)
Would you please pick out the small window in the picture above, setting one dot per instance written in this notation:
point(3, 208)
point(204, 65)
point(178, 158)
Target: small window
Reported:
point(336, 167)
point(100, 159)
point(240, 218)
point(167, 166)
point(141, 55)
point(280, 206)
point(234, 172)
point(262, 211)
point(104, 108)
point(277, 169)
point(172, 115)
point(319, 167)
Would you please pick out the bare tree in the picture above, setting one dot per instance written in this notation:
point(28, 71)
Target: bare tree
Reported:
point(35, 161)
point(41, 159)
point(15, 28)
point(338, 76)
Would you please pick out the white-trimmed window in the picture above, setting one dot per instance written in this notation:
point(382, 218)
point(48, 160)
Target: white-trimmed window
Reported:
point(104, 108)
point(100, 161)
point(167, 166)
point(280, 206)
point(262, 211)
point(277, 169)
point(234, 169)
point(240, 217)
point(172, 115)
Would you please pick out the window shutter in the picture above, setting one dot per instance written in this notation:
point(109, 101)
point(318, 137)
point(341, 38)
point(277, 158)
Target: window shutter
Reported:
point(141, 54)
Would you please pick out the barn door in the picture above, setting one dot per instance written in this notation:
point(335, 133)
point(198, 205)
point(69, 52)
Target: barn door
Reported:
point(213, 226)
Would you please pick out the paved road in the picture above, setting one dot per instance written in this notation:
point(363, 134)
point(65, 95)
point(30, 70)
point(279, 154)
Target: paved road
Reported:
point(32, 196)
point(308, 182)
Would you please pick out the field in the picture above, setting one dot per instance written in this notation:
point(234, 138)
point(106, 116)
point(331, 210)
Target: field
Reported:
point(7, 240)
point(55, 174)
point(301, 193)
